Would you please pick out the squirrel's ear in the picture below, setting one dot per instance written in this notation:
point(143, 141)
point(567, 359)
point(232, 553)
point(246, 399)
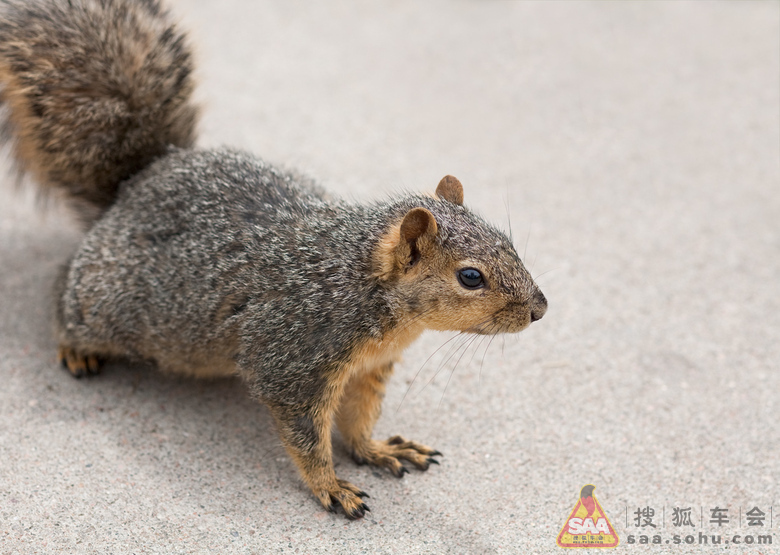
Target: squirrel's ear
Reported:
point(403, 245)
point(416, 223)
point(450, 189)
point(417, 226)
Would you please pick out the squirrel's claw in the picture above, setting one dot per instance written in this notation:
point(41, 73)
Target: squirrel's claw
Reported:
point(389, 454)
point(401, 471)
point(358, 512)
point(78, 364)
point(347, 496)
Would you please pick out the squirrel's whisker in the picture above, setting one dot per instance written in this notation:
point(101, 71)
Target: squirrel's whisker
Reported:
point(543, 273)
point(451, 352)
point(508, 216)
point(484, 354)
point(408, 389)
point(527, 237)
point(467, 344)
point(476, 350)
point(413, 320)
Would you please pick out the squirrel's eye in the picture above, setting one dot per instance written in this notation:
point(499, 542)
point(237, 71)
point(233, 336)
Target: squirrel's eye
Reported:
point(470, 278)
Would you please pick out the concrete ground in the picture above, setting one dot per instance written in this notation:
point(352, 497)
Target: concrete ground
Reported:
point(636, 148)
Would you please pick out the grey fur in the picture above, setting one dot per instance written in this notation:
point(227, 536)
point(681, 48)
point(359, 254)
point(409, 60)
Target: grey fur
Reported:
point(200, 231)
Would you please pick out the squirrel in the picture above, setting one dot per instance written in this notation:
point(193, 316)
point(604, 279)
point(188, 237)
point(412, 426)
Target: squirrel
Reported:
point(214, 263)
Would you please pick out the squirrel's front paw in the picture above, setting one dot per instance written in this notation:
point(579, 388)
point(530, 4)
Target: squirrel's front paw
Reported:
point(345, 494)
point(389, 453)
point(78, 364)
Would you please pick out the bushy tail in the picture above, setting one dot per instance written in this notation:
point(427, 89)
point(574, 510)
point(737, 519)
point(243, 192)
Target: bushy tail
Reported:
point(93, 90)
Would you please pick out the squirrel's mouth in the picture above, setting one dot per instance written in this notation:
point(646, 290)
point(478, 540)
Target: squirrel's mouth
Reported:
point(510, 319)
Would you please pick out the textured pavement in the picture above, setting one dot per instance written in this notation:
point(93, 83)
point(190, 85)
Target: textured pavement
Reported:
point(635, 148)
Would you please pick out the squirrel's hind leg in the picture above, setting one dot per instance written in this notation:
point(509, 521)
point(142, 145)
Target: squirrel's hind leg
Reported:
point(76, 359)
point(361, 405)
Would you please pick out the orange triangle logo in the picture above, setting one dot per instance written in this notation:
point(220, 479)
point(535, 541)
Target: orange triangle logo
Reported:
point(587, 525)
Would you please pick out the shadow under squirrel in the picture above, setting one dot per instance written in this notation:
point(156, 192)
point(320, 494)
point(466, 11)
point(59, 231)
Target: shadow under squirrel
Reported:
point(213, 263)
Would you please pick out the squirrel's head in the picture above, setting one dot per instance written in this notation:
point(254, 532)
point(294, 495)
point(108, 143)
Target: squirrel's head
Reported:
point(448, 269)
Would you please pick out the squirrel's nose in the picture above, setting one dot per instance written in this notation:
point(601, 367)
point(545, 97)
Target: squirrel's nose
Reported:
point(538, 306)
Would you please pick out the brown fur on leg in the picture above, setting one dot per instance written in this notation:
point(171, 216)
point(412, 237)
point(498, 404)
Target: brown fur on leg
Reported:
point(307, 438)
point(361, 405)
